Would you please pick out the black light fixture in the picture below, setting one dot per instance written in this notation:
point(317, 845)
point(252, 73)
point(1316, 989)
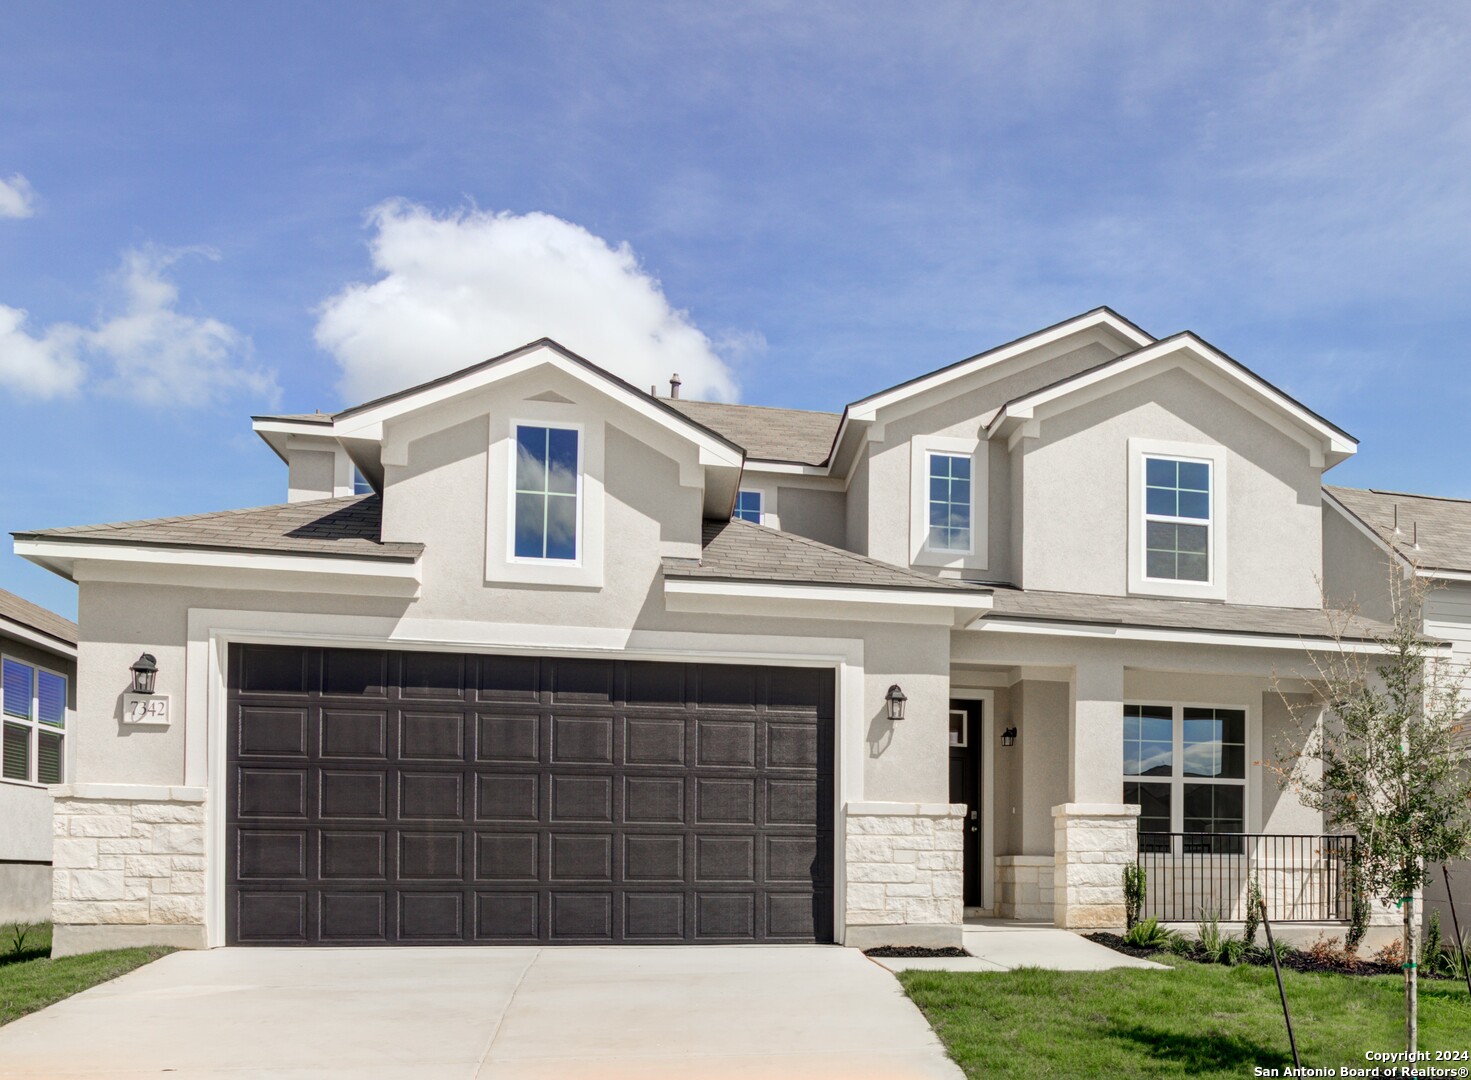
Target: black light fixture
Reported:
point(145, 670)
point(896, 699)
point(1008, 737)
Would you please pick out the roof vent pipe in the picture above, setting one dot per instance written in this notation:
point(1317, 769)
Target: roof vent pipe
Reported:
point(674, 385)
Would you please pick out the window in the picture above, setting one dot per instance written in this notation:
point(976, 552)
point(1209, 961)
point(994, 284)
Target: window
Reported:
point(1206, 793)
point(959, 728)
point(748, 507)
point(548, 487)
point(360, 485)
point(1177, 519)
point(32, 723)
point(949, 503)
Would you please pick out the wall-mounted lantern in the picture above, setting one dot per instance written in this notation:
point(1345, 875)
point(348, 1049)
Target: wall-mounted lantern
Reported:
point(896, 699)
point(145, 670)
point(1008, 737)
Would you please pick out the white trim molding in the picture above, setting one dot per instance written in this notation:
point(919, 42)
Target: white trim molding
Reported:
point(1216, 457)
point(921, 449)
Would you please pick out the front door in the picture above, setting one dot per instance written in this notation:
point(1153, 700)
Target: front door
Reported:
point(965, 787)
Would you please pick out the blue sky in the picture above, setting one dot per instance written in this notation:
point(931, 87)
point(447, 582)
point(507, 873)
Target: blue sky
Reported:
point(210, 211)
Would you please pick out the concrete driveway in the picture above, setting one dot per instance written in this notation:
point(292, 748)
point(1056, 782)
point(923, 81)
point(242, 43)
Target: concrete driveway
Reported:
point(314, 1014)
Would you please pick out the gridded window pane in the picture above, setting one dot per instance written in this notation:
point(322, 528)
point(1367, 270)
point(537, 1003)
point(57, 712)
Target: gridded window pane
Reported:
point(949, 502)
point(1178, 491)
point(48, 757)
point(1153, 801)
point(958, 731)
point(1215, 743)
point(16, 687)
point(1176, 552)
point(50, 698)
point(15, 752)
point(1148, 740)
point(1215, 808)
point(748, 507)
point(546, 493)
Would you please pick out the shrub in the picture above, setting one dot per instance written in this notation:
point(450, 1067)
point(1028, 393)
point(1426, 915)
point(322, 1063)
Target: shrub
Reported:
point(1149, 934)
point(1253, 911)
point(1432, 940)
point(1358, 904)
point(1135, 881)
point(1326, 950)
point(1392, 955)
point(1210, 941)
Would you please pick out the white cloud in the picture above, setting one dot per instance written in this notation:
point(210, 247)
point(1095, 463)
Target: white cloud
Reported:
point(459, 288)
point(148, 350)
point(17, 197)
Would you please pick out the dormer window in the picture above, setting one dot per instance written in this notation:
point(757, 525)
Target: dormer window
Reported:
point(950, 503)
point(360, 485)
point(548, 479)
point(1177, 519)
point(748, 507)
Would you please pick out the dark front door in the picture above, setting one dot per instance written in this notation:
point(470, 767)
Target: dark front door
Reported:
point(382, 798)
point(965, 787)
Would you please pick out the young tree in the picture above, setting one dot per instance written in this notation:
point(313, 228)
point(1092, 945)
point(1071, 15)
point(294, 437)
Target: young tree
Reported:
point(1383, 722)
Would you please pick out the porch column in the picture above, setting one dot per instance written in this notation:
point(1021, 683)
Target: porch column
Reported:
point(1095, 833)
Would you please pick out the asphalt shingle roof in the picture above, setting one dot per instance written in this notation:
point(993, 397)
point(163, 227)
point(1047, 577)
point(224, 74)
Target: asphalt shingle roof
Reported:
point(348, 527)
point(1442, 527)
point(742, 551)
point(1151, 613)
point(37, 618)
point(766, 433)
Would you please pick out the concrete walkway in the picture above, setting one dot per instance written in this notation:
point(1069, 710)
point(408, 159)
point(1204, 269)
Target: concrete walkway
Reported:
point(1005, 945)
point(511, 1014)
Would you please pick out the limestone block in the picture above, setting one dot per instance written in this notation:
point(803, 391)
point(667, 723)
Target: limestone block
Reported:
point(178, 839)
point(906, 889)
point(77, 853)
point(61, 885)
point(870, 849)
point(189, 862)
point(187, 881)
point(97, 884)
point(881, 872)
point(155, 813)
point(148, 866)
point(115, 825)
point(178, 909)
point(865, 897)
point(128, 846)
point(948, 883)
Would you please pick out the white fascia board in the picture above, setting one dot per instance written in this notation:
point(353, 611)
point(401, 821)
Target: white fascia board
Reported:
point(1002, 625)
point(868, 408)
point(369, 423)
point(785, 468)
point(20, 631)
point(51, 553)
point(1334, 445)
point(1444, 575)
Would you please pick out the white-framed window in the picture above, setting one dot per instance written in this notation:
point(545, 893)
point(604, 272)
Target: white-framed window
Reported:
point(948, 493)
point(360, 485)
point(748, 507)
point(547, 493)
point(951, 502)
point(32, 722)
point(1185, 767)
point(1177, 519)
point(959, 727)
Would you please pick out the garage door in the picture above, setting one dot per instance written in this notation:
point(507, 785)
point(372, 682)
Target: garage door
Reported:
point(381, 797)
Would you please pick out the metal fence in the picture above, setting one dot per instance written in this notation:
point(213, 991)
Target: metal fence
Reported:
point(1192, 875)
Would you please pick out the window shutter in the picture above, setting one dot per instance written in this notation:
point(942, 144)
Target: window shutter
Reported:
point(48, 757)
point(51, 698)
point(17, 752)
point(15, 683)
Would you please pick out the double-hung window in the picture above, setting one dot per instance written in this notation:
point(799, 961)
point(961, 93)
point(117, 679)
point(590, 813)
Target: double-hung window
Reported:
point(548, 477)
point(32, 722)
point(1185, 768)
point(748, 507)
point(950, 503)
point(1177, 519)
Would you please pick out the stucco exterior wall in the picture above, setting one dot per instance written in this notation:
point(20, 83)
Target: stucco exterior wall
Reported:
point(1355, 569)
point(310, 474)
point(1076, 480)
point(818, 515)
point(1042, 737)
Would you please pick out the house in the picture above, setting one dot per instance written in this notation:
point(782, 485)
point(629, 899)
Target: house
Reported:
point(589, 665)
point(38, 659)
point(1367, 535)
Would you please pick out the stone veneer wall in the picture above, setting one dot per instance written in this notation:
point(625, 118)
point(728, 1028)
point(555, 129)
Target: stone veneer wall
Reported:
point(1024, 887)
point(904, 870)
point(128, 867)
point(1092, 844)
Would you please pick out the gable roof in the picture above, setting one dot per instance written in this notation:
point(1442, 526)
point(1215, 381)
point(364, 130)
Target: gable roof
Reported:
point(349, 527)
point(1337, 444)
point(745, 552)
point(1440, 526)
point(797, 436)
point(21, 612)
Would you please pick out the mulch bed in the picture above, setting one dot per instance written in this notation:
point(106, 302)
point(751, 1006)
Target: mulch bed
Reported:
point(910, 952)
point(1118, 944)
point(1293, 959)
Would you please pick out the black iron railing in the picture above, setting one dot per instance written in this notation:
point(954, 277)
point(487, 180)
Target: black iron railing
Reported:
point(1189, 876)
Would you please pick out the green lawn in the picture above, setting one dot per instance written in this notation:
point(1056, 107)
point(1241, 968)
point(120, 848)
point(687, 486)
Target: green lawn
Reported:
point(1196, 1020)
point(31, 980)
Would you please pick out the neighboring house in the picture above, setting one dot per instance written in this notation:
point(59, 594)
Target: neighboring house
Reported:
point(1367, 535)
point(593, 666)
point(38, 660)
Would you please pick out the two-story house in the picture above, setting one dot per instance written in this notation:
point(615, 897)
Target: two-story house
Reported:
point(583, 664)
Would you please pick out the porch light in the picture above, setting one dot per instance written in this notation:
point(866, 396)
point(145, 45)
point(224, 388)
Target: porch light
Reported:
point(896, 699)
point(1008, 737)
point(145, 670)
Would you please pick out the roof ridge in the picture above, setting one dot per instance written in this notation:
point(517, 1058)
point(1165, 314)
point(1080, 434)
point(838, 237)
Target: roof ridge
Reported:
point(928, 580)
point(677, 402)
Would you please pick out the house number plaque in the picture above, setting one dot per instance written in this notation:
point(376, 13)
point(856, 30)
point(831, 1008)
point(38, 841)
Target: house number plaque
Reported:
point(146, 709)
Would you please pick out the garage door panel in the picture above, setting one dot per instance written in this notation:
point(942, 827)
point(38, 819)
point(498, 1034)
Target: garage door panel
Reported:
point(376, 800)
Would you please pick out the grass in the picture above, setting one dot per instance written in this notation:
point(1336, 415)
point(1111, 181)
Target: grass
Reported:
point(31, 980)
point(1197, 1020)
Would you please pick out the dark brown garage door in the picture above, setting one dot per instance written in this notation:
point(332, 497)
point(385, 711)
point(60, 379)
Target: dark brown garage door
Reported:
point(381, 797)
